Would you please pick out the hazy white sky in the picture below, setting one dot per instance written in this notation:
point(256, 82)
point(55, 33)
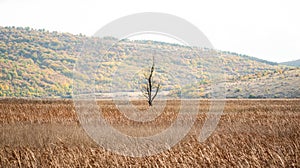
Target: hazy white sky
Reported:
point(267, 29)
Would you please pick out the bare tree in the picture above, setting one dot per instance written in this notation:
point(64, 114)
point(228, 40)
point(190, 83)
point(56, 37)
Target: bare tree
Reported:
point(150, 86)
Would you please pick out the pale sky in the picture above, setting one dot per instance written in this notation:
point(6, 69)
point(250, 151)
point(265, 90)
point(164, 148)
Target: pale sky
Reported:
point(267, 29)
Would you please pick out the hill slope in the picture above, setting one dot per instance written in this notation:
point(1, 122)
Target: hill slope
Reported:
point(39, 63)
point(295, 63)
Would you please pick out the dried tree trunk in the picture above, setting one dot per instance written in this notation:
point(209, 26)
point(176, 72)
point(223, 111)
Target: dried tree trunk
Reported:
point(147, 92)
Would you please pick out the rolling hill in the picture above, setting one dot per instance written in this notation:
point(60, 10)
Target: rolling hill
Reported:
point(39, 63)
point(295, 63)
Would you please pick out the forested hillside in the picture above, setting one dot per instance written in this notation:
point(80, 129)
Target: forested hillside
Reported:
point(39, 63)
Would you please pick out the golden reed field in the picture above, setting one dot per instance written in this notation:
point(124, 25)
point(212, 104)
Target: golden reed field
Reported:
point(251, 133)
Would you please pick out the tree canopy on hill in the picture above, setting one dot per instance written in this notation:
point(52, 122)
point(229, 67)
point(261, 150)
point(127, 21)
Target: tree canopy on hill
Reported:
point(39, 63)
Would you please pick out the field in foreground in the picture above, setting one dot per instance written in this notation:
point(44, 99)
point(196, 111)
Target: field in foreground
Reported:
point(251, 133)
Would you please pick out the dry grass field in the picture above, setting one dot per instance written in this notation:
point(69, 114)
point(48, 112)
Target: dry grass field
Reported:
point(251, 133)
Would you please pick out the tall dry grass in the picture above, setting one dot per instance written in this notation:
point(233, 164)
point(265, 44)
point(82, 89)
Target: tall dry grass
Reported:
point(251, 133)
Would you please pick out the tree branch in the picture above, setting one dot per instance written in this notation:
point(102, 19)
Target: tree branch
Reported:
point(158, 87)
